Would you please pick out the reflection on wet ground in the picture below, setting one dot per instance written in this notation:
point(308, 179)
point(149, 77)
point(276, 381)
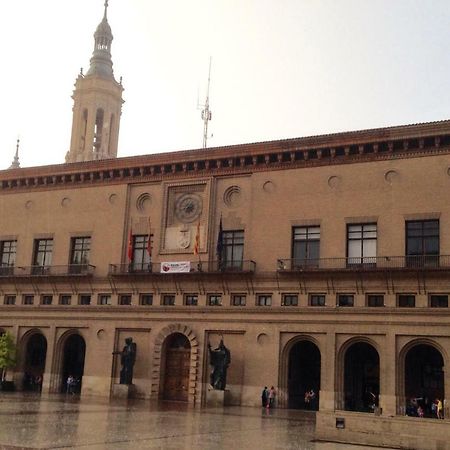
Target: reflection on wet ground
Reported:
point(31, 422)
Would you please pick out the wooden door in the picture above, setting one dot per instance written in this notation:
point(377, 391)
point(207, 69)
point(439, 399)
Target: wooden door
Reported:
point(176, 381)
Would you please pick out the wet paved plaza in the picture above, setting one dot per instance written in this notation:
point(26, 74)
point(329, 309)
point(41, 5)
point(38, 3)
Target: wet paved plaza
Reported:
point(60, 422)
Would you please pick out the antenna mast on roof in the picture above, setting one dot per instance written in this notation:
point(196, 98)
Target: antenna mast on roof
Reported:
point(206, 113)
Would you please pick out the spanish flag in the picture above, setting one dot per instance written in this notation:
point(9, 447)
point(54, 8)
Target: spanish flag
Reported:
point(197, 240)
point(149, 242)
point(130, 246)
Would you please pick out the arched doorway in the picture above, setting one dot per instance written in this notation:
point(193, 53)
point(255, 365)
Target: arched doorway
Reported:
point(361, 378)
point(176, 368)
point(424, 378)
point(304, 376)
point(74, 351)
point(34, 364)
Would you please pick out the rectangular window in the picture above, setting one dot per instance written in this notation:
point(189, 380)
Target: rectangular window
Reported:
point(146, 299)
point(263, 300)
point(362, 244)
point(345, 299)
point(85, 299)
point(214, 300)
point(10, 300)
point(406, 300)
point(375, 300)
point(289, 300)
point(422, 243)
point(46, 299)
point(42, 258)
point(168, 300)
point(104, 299)
point(191, 299)
point(238, 300)
point(439, 301)
point(233, 249)
point(125, 299)
point(28, 299)
point(65, 299)
point(7, 257)
point(141, 257)
point(317, 300)
point(306, 246)
point(79, 256)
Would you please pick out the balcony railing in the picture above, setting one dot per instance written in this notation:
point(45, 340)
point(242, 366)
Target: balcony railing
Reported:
point(427, 262)
point(240, 266)
point(44, 271)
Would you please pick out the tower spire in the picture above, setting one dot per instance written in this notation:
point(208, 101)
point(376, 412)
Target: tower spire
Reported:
point(97, 103)
point(101, 62)
point(16, 164)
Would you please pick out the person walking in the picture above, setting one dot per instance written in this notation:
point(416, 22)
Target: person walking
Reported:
point(264, 396)
point(439, 409)
point(271, 397)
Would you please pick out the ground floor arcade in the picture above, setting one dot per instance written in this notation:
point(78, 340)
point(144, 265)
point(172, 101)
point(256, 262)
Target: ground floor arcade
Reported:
point(367, 371)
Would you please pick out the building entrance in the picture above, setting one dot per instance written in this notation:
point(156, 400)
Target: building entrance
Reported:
point(361, 378)
point(304, 376)
point(424, 378)
point(34, 367)
point(73, 364)
point(178, 362)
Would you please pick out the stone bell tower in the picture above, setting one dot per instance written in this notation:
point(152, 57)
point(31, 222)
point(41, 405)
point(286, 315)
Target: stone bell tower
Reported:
point(97, 103)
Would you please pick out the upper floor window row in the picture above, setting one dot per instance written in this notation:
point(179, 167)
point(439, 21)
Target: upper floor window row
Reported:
point(43, 253)
point(421, 237)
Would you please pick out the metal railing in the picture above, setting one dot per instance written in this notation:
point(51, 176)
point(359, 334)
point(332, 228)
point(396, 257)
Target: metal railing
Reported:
point(44, 271)
point(241, 266)
point(427, 262)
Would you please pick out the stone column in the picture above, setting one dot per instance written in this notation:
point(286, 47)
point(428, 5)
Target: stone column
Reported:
point(388, 382)
point(46, 378)
point(328, 374)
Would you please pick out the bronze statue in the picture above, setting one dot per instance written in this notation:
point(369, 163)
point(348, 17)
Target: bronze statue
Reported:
point(127, 359)
point(220, 359)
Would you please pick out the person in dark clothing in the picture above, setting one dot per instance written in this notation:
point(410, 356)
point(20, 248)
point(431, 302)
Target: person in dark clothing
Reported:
point(264, 396)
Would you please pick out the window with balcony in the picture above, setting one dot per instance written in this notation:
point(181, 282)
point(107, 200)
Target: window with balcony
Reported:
point(406, 300)
point(28, 299)
point(362, 244)
point(289, 300)
point(439, 300)
point(422, 243)
point(146, 299)
point(168, 300)
point(191, 299)
point(375, 300)
point(85, 299)
point(345, 300)
point(238, 300)
point(9, 300)
point(317, 300)
point(306, 246)
point(264, 300)
point(141, 256)
point(7, 257)
point(214, 300)
point(79, 254)
point(46, 299)
point(42, 256)
point(233, 250)
point(65, 299)
point(104, 299)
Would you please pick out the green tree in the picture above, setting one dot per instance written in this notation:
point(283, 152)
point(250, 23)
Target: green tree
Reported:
point(7, 353)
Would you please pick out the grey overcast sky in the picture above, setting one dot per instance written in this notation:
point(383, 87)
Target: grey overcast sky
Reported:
point(280, 69)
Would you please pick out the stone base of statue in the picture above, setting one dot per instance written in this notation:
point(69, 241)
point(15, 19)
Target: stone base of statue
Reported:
point(123, 391)
point(215, 398)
